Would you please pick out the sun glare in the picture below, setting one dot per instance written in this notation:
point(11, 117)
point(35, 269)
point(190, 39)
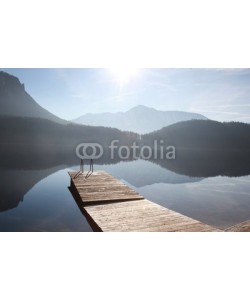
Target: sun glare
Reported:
point(124, 75)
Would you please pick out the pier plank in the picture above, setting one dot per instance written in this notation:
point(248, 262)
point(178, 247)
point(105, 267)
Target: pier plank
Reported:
point(113, 206)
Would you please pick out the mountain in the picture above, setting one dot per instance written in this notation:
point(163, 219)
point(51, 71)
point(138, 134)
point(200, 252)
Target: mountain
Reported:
point(204, 134)
point(204, 148)
point(15, 101)
point(34, 136)
point(140, 119)
point(40, 142)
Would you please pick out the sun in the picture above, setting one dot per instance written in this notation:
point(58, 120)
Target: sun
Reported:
point(124, 75)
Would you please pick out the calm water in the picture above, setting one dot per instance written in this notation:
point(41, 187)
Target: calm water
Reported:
point(39, 200)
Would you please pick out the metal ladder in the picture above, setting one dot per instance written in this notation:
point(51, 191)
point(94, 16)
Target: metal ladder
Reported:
point(81, 171)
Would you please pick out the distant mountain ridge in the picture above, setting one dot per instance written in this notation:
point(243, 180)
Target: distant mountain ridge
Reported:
point(204, 134)
point(15, 101)
point(140, 119)
point(205, 148)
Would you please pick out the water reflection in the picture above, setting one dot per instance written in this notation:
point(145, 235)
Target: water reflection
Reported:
point(15, 184)
point(219, 201)
point(34, 193)
point(141, 173)
point(47, 206)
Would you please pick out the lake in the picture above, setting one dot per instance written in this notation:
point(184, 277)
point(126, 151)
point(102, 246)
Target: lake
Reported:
point(39, 200)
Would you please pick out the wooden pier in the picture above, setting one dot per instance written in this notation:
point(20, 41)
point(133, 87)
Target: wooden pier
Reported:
point(110, 205)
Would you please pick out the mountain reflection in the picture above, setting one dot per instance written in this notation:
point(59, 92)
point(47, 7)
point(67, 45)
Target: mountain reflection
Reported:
point(21, 169)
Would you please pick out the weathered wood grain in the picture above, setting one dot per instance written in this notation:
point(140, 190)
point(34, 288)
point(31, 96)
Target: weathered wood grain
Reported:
point(113, 206)
point(241, 227)
point(102, 187)
point(142, 215)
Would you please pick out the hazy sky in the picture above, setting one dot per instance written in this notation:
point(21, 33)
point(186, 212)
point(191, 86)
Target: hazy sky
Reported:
point(220, 94)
